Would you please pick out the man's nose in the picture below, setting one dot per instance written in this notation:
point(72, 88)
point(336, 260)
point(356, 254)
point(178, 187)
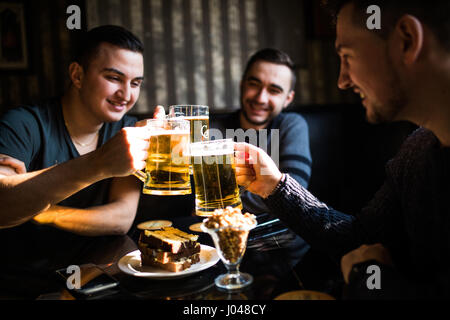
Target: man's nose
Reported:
point(262, 96)
point(344, 80)
point(125, 92)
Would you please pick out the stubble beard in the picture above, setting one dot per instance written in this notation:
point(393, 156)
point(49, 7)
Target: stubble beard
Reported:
point(396, 103)
point(255, 123)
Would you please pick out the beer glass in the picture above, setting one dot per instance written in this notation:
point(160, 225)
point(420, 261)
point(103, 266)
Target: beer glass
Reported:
point(214, 176)
point(198, 116)
point(167, 168)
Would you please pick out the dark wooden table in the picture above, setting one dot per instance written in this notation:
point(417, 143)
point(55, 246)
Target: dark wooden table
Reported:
point(28, 265)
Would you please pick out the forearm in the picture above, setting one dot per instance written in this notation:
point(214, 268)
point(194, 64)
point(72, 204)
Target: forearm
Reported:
point(322, 227)
point(25, 195)
point(112, 218)
point(109, 219)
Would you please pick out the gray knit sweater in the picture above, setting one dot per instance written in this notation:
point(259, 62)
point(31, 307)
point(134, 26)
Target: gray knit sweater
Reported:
point(409, 215)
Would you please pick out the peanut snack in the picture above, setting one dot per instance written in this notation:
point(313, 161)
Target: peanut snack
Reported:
point(232, 228)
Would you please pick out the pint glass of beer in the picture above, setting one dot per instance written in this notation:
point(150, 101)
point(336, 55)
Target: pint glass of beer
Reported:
point(198, 116)
point(214, 176)
point(167, 169)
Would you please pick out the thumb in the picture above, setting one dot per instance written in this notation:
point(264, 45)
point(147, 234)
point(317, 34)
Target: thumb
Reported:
point(159, 113)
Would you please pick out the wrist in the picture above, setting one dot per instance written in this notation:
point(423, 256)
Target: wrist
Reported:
point(97, 164)
point(273, 185)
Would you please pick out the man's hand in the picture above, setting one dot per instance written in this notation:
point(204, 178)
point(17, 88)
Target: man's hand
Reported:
point(159, 113)
point(125, 153)
point(255, 170)
point(364, 253)
point(10, 166)
point(44, 218)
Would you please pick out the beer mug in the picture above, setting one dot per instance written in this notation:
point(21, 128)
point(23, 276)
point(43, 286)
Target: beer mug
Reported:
point(167, 168)
point(198, 116)
point(214, 176)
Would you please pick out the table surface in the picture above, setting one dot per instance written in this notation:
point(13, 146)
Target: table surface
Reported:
point(27, 267)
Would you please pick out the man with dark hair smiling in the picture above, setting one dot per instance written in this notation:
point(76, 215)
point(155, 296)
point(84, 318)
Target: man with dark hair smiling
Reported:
point(401, 72)
point(266, 89)
point(66, 163)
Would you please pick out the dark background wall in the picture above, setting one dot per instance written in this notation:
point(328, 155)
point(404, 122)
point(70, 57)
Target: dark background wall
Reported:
point(49, 44)
point(196, 50)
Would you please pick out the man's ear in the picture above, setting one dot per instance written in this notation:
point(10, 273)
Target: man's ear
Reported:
point(289, 99)
point(76, 74)
point(409, 32)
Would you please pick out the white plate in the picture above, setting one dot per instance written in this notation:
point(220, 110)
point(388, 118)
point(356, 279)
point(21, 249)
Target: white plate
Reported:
point(131, 264)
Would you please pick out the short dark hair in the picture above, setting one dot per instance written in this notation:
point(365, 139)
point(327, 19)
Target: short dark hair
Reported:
point(433, 13)
point(90, 41)
point(273, 56)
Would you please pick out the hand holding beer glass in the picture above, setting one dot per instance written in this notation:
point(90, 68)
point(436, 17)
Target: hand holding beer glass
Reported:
point(255, 170)
point(167, 168)
point(214, 176)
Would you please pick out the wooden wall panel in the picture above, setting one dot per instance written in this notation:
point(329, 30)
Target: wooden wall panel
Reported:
point(195, 50)
point(50, 46)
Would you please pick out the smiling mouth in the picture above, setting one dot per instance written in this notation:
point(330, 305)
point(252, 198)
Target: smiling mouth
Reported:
point(360, 93)
point(257, 109)
point(118, 105)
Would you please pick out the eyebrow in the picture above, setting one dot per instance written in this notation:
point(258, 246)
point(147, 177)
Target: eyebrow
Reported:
point(273, 85)
point(120, 73)
point(341, 46)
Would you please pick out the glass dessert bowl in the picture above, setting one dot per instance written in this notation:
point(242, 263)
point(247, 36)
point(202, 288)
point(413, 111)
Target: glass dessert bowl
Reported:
point(229, 229)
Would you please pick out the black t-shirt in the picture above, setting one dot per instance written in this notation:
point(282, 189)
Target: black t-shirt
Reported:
point(37, 135)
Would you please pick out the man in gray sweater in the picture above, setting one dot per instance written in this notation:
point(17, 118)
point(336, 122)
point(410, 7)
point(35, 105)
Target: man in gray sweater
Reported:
point(267, 87)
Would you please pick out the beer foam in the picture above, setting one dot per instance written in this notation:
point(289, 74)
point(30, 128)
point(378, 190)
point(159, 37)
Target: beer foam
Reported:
point(195, 117)
point(212, 148)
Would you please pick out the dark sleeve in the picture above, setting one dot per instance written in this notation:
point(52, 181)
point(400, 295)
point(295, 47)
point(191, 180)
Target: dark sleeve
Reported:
point(294, 157)
point(327, 229)
point(20, 135)
point(324, 228)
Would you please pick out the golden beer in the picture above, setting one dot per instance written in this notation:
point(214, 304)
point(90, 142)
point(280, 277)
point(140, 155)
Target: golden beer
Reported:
point(214, 177)
point(199, 128)
point(168, 164)
point(198, 116)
